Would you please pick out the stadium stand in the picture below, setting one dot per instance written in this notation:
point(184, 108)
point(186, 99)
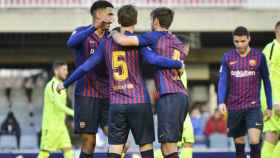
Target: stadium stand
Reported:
point(218, 141)
point(8, 142)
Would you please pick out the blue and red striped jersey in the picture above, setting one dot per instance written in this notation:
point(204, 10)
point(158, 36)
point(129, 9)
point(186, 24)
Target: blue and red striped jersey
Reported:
point(167, 45)
point(126, 84)
point(240, 80)
point(125, 76)
point(84, 42)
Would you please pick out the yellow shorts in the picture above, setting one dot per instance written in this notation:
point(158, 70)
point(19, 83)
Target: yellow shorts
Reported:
point(272, 124)
point(158, 154)
point(187, 136)
point(53, 140)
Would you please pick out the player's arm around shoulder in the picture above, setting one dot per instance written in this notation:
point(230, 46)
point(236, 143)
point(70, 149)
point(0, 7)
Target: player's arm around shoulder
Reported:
point(124, 40)
point(154, 58)
point(89, 64)
point(79, 35)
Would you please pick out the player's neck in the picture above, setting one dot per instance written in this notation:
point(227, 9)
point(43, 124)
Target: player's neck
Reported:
point(278, 39)
point(245, 53)
point(58, 78)
point(127, 29)
point(161, 29)
point(100, 32)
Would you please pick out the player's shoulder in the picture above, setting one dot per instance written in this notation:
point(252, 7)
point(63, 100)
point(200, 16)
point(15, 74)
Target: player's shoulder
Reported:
point(176, 39)
point(80, 28)
point(150, 35)
point(257, 52)
point(165, 36)
point(229, 53)
point(269, 45)
point(48, 86)
point(51, 85)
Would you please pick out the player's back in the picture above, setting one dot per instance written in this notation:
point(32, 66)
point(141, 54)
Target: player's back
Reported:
point(53, 116)
point(166, 81)
point(125, 75)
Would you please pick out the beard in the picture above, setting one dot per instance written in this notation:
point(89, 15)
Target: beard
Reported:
point(60, 77)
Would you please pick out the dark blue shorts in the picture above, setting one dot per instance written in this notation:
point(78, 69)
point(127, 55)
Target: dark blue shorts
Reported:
point(135, 117)
point(240, 121)
point(172, 110)
point(89, 114)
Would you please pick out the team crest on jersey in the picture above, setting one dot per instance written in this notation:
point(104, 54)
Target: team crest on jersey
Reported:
point(252, 62)
point(232, 62)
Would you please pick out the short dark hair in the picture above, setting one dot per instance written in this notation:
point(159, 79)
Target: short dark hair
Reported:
point(127, 15)
point(241, 31)
point(164, 15)
point(183, 39)
point(57, 64)
point(277, 24)
point(101, 4)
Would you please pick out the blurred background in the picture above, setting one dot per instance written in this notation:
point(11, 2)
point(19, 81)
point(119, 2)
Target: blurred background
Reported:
point(33, 33)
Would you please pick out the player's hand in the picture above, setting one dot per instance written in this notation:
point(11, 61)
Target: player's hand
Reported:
point(118, 29)
point(107, 20)
point(100, 23)
point(60, 87)
point(114, 31)
point(268, 114)
point(176, 73)
point(277, 108)
point(223, 108)
point(104, 22)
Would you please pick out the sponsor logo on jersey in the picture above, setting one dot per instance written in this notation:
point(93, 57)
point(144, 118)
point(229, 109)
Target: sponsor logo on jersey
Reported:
point(242, 73)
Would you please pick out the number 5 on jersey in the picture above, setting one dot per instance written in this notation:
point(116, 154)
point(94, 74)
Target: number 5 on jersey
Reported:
point(120, 71)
